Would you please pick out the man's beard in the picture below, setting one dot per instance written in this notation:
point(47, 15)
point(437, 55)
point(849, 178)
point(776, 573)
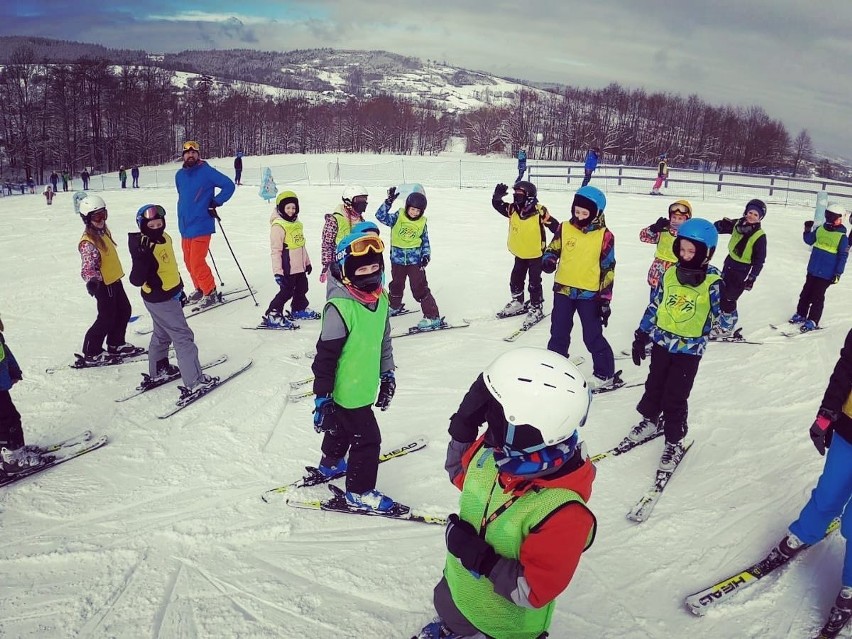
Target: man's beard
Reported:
point(190, 161)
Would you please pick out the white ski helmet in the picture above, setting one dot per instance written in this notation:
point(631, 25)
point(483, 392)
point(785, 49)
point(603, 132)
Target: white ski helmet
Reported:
point(89, 205)
point(351, 192)
point(834, 210)
point(540, 389)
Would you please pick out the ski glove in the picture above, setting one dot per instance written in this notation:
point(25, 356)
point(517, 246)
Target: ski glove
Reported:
point(472, 551)
point(604, 311)
point(660, 225)
point(308, 269)
point(748, 284)
point(211, 209)
point(835, 279)
point(387, 388)
point(324, 421)
point(93, 287)
point(640, 340)
point(424, 261)
point(500, 191)
point(822, 429)
point(280, 279)
point(392, 195)
point(548, 263)
point(183, 299)
point(809, 224)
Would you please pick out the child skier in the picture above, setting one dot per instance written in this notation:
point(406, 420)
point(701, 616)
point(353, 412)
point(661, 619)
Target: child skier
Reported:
point(291, 264)
point(410, 255)
point(527, 221)
point(339, 224)
point(354, 360)
point(663, 233)
point(662, 174)
point(14, 455)
point(583, 249)
point(746, 255)
point(48, 194)
point(155, 270)
point(102, 272)
point(826, 265)
point(830, 498)
point(523, 522)
point(683, 308)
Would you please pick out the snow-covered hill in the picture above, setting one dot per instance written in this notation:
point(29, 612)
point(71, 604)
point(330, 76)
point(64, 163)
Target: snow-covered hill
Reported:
point(162, 533)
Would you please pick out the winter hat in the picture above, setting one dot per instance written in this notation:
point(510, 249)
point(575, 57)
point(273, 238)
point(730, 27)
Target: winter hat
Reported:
point(756, 205)
point(284, 198)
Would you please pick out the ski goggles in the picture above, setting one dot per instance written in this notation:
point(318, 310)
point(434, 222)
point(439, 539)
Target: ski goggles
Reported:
point(153, 212)
point(191, 145)
point(100, 215)
point(522, 439)
point(362, 245)
point(678, 208)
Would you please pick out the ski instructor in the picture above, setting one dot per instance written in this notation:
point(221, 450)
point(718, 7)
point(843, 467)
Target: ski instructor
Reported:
point(197, 202)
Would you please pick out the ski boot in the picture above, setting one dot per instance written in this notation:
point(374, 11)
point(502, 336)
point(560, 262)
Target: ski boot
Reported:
point(306, 314)
point(20, 459)
point(797, 319)
point(672, 454)
point(370, 501)
point(274, 319)
point(515, 307)
point(429, 324)
point(122, 349)
point(808, 326)
point(399, 310)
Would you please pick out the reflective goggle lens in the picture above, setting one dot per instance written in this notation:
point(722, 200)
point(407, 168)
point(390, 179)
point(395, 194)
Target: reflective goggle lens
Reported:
point(98, 216)
point(192, 145)
point(154, 212)
point(680, 209)
point(365, 244)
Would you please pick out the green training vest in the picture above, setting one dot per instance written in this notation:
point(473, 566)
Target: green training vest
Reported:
point(828, 241)
point(491, 613)
point(294, 233)
point(684, 309)
point(343, 228)
point(356, 380)
point(736, 236)
point(407, 233)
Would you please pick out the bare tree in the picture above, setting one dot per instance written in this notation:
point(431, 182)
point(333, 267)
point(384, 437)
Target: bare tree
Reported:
point(802, 150)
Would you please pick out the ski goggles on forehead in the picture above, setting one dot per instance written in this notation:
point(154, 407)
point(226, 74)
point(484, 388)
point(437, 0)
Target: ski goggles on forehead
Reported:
point(191, 145)
point(679, 209)
point(154, 212)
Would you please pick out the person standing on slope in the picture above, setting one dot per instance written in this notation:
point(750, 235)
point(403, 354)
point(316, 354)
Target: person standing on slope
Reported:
point(339, 224)
point(196, 184)
point(592, 158)
point(663, 233)
point(523, 522)
point(662, 174)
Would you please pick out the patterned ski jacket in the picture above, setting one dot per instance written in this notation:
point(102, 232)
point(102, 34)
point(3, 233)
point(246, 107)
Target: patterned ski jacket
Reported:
point(398, 255)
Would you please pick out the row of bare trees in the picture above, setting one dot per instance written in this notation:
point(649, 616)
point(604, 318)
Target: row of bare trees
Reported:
point(634, 127)
point(89, 113)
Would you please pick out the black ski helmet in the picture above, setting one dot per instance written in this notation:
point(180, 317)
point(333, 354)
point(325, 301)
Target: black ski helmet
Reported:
point(416, 200)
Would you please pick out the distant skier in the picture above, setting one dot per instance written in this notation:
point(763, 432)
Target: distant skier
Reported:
point(683, 308)
point(523, 523)
point(527, 221)
point(134, 174)
point(746, 255)
point(663, 233)
point(291, 264)
point(522, 164)
point(832, 431)
point(662, 174)
point(155, 270)
point(102, 272)
point(410, 255)
point(48, 194)
point(238, 168)
point(591, 163)
point(14, 455)
point(122, 176)
point(339, 223)
point(354, 361)
point(826, 265)
point(582, 254)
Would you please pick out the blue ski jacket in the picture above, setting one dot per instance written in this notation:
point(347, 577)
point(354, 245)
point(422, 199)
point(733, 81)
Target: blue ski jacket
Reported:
point(196, 190)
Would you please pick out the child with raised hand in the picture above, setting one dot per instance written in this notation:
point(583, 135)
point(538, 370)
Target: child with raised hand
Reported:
point(527, 221)
point(291, 264)
point(410, 254)
point(825, 266)
point(663, 233)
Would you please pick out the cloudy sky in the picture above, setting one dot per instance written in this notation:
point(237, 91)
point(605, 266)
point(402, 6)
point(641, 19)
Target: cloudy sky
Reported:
point(789, 56)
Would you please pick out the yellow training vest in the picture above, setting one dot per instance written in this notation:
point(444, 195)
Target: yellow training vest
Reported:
point(111, 270)
point(167, 267)
point(580, 258)
point(684, 309)
point(294, 235)
point(526, 239)
point(408, 233)
point(665, 247)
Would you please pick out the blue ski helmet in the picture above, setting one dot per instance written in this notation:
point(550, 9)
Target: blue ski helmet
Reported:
point(595, 196)
point(354, 251)
point(700, 230)
point(365, 227)
point(149, 212)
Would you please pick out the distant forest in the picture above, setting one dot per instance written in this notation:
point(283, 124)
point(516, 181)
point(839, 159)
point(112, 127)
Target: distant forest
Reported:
point(106, 108)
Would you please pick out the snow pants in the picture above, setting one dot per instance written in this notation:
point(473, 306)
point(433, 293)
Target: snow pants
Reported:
point(419, 288)
point(195, 251)
point(667, 390)
point(357, 432)
point(295, 286)
point(519, 274)
point(812, 298)
point(562, 323)
point(829, 499)
point(658, 183)
point(11, 433)
point(111, 322)
point(170, 327)
point(734, 278)
point(587, 177)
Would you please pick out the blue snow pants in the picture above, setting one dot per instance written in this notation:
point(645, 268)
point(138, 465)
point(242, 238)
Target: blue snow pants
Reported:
point(562, 322)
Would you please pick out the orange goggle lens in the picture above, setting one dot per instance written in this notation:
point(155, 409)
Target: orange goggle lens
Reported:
point(680, 209)
point(365, 244)
point(191, 146)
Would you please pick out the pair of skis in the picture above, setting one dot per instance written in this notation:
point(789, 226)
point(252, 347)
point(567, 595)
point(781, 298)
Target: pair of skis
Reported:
point(150, 383)
point(58, 453)
point(139, 354)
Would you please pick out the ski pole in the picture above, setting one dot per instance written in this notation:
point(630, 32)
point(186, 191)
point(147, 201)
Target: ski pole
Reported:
point(236, 261)
point(215, 268)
